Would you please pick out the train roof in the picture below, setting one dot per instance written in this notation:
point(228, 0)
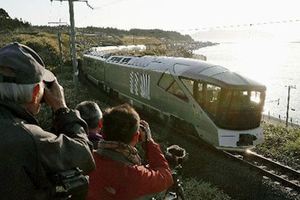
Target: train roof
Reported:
point(189, 68)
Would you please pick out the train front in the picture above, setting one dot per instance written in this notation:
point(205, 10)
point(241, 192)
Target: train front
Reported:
point(233, 103)
point(238, 117)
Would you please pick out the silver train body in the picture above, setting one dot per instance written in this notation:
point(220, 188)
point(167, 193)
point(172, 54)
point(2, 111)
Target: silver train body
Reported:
point(221, 107)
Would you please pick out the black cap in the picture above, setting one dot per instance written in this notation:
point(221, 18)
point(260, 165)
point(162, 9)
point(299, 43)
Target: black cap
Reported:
point(22, 65)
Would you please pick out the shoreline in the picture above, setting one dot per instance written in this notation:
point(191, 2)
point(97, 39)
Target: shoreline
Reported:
point(276, 121)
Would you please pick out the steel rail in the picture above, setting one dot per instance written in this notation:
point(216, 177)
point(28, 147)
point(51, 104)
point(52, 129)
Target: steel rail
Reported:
point(250, 158)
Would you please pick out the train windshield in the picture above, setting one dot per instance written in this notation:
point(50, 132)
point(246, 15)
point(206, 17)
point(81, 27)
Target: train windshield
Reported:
point(235, 109)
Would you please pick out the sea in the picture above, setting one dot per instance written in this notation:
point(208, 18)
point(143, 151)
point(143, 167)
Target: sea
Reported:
point(274, 64)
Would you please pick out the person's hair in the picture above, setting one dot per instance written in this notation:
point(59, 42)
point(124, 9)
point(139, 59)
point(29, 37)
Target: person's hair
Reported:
point(18, 93)
point(120, 123)
point(90, 112)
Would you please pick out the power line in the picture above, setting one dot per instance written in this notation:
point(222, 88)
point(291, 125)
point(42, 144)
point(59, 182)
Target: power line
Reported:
point(108, 4)
point(232, 26)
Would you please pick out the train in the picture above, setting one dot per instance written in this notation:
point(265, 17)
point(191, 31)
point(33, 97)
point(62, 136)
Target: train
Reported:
point(220, 107)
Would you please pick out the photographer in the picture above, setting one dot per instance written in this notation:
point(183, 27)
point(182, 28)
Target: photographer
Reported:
point(92, 115)
point(29, 155)
point(119, 173)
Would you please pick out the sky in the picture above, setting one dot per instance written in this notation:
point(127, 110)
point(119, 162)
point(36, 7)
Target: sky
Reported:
point(185, 16)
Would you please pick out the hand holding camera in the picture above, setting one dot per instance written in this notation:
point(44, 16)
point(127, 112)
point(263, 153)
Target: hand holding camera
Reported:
point(145, 132)
point(54, 95)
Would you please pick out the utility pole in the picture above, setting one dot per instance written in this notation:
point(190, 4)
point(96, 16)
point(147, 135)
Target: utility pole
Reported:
point(72, 34)
point(74, 61)
point(59, 23)
point(288, 104)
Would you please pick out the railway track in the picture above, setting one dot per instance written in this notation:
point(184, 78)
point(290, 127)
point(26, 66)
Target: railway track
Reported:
point(282, 174)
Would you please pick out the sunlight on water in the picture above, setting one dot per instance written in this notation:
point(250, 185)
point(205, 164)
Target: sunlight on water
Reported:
point(261, 64)
point(275, 64)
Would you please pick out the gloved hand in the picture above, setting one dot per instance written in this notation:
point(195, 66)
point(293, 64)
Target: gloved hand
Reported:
point(145, 132)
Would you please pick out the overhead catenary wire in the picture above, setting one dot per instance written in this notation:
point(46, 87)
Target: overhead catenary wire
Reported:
point(244, 25)
point(109, 4)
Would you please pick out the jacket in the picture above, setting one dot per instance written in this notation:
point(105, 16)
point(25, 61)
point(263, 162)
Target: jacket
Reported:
point(94, 138)
point(119, 179)
point(29, 154)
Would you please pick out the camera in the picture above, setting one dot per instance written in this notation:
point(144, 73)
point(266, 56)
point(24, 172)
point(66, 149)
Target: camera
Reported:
point(70, 185)
point(48, 84)
point(175, 155)
point(142, 130)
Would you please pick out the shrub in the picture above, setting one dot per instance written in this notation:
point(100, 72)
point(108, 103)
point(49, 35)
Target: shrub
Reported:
point(282, 144)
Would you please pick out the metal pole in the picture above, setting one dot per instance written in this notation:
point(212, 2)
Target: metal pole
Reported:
point(72, 34)
point(74, 62)
point(59, 41)
point(60, 50)
point(288, 107)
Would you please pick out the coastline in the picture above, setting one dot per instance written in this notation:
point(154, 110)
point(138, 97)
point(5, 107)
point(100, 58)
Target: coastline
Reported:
point(276, 121)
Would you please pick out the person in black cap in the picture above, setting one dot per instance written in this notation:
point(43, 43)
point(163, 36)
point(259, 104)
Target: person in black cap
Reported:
point(29, 155)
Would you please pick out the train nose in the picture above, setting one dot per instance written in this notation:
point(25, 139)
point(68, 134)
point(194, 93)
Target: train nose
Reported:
point(246, 140)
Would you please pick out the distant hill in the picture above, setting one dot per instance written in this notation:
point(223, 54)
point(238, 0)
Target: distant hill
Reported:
point(9, 24)
point(169, 36)
point(44, 39)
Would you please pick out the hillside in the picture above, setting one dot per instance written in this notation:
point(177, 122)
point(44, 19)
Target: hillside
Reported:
point(44, 39)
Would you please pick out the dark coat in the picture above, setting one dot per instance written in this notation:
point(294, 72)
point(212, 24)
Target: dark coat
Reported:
point(29, 155)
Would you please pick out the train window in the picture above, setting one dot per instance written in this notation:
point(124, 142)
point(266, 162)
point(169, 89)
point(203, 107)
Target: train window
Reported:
point(176, 90)
point(165, 81)
point(196, 88)
point(168, 83)
point(126, 60)
point(199, 93)
point(212, 93)
point(118, 59)
point(212, 99)
point(255, 97)
point(112, 59)
point(188, 84)
point(239, 109)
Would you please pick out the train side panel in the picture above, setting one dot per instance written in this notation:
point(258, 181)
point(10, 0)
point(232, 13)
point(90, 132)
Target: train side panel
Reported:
point(94, 67)
point(142, 86)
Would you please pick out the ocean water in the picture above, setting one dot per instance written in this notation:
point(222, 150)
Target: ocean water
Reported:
point(274, 64)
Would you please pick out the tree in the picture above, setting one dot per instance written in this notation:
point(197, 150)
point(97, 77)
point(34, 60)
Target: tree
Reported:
point(4, 14)
point(7, 23)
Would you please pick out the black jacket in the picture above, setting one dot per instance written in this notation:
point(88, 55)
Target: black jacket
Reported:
point(28, 154)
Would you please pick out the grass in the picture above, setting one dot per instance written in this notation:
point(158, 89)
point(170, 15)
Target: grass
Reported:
point(203, 191)
point(281, 144)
